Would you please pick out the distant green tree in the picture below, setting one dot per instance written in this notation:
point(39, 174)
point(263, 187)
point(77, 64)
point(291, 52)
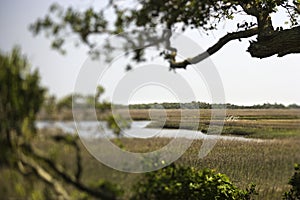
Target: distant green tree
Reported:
point(50, 104)
point(65, 102)
point(117, 123)
point(99, 92)
point(293, 106)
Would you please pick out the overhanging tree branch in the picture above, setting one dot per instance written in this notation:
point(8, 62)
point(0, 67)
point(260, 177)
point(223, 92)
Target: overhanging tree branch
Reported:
point(194, 14)
point(280, 43)
point(210, 51)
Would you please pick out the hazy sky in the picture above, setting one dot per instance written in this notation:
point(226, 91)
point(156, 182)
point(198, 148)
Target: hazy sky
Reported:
point(246, 80)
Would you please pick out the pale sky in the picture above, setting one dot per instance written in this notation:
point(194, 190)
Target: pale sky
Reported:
point(246, 80)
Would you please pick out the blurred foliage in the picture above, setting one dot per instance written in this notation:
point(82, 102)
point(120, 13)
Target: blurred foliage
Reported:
point(50, 104)
point(294, 193)
point(65, 102)
point(83, 101)
point(20, 99)
point(117, 123)
point(108, 186)
point(176, 15)
point(176, 182)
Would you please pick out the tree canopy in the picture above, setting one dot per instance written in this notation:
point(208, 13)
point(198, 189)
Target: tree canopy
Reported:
point(17, 107)
point(60, 23)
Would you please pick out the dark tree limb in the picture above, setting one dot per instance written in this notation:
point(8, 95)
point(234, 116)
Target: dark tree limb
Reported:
point(223, 41)
point(73, 142)
point(78, 162)
point(43, 175)
point(59, 172)
point(279, 43)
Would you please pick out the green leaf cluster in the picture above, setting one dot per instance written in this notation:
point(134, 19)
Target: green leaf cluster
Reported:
point(294, 192)
point(177, 182)
point(20, 98)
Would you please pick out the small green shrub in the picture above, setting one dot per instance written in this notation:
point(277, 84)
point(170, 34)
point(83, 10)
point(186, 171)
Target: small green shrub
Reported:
point(176, 182)
point(108, 187)
point(294, 193)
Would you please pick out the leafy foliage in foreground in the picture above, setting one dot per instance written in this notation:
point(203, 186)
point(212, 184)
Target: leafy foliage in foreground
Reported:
point(294, 192)
point(20, 99)
point(176, 182)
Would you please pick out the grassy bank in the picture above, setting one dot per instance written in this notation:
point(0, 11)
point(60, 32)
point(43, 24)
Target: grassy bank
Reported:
point(254, 123)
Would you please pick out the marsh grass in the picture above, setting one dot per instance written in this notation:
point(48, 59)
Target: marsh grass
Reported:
point(268, 164)
point(253, 123)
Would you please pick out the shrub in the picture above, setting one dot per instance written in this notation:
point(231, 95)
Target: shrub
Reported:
point(20, 99)
point(177, 182)
point(294, 192)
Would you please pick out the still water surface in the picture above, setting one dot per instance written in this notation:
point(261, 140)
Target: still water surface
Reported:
point(95, 129)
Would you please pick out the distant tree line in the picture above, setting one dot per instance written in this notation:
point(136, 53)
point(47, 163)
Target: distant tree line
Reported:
point(51, 104)
point(203, 105)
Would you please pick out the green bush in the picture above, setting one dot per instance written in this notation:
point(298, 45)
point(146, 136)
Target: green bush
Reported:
point(176, 182)
point(20, 99)
point(294, 192)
